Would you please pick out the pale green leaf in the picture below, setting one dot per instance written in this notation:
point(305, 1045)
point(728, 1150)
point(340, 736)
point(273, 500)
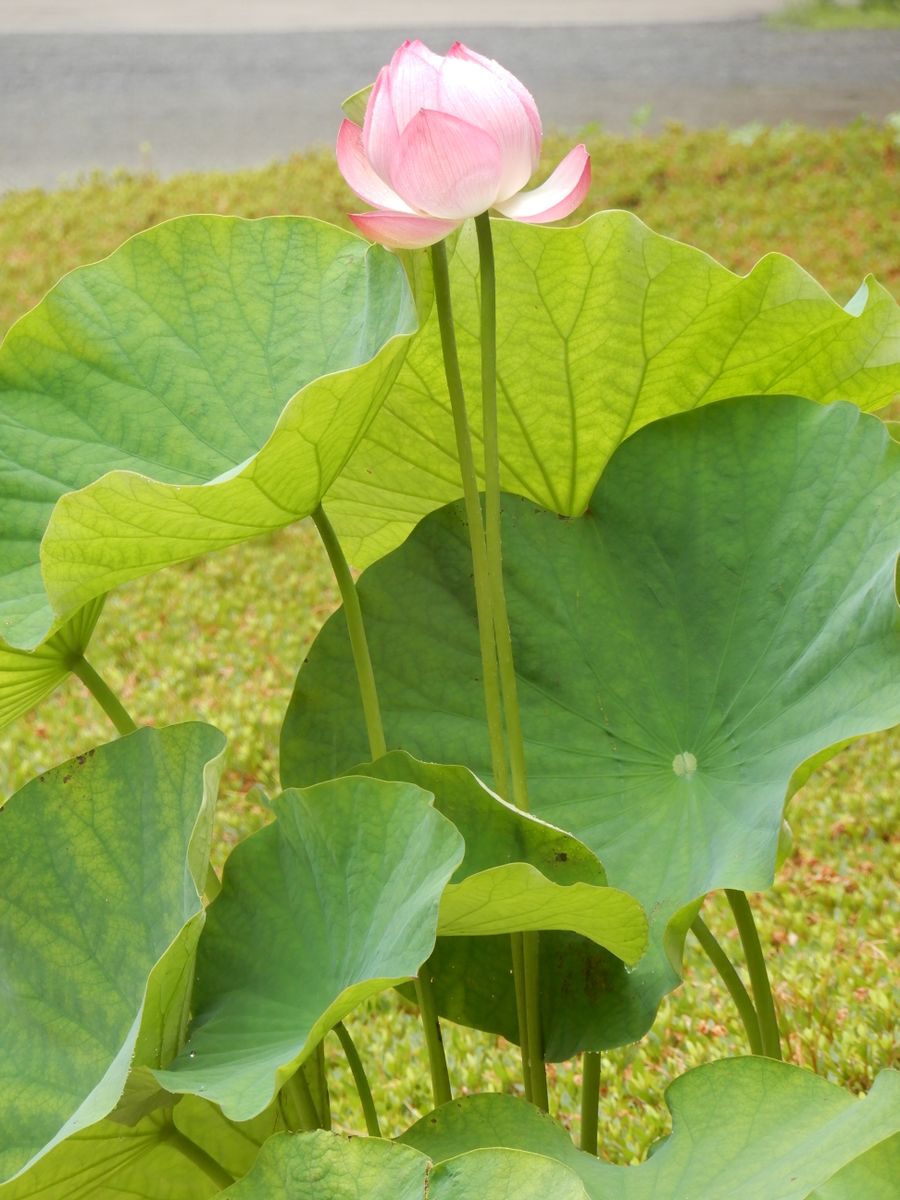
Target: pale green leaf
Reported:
point(99, 906)
point(204, 384)
point(602, 328)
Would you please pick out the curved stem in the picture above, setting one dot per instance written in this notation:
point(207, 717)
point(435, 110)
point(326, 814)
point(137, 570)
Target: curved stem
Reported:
point(358, 643)
point(732, 981)
point(759, 975)
point(590, 1100)
point(434, 1039)
point(492, 704)
point(103, 694)
point(360, 1079)
point(198, 1156)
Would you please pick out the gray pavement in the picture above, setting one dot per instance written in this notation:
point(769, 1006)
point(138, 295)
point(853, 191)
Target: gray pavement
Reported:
point(71, 102)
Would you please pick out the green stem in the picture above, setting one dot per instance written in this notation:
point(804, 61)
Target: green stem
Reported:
point(198, 1156)
point(759, 976)
point(590, 1100)
point(732, 981)
point(360, 1079)
point(494, 549)
point(474, 520)
point(539, 1095)
point(103, 694)
point(356, 629)
point(434, 1040)
point(492, 511)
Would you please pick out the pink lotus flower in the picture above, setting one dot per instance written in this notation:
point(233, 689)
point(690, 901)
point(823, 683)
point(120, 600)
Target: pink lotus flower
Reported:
point(446, 138)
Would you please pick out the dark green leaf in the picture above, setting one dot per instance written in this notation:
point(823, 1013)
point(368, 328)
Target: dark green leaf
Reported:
point(723, 611)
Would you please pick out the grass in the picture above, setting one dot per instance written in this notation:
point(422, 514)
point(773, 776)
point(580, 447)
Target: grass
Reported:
point(829, 14)
point(221, 639)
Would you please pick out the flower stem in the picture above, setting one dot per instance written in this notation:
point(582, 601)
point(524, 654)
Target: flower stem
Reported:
point(434, 1039)
point(590, 1100)
point(103, 694)
point(492, 511)
point(198, 1156)
point(360, 1079)
point(531, 1048)
point(357, 631)
point(759, 976)
point(492, 704)
point(732, 981)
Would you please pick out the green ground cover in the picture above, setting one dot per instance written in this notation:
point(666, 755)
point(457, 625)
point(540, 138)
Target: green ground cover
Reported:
point(835, 14)
point(221, 639)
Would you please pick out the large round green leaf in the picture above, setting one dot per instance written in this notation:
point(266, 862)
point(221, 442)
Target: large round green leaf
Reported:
point(724, 610)
point(336, 900)
point(203, 384)
point(322, 1166)
point(602, 328)
point(103, 862)
point(742, 1129)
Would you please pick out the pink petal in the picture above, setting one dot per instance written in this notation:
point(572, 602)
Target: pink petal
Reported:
point(556, 197)
point(477, 95)
point(446, 167)
point(402, 231)
point(459, 51)
point(380, 135)
point(359, 172)
point(413, 81)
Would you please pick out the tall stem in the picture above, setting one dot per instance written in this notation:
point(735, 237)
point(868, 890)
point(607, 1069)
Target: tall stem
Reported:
point(531, 1049)
point(434, 1039)
point(483, 604)
point(198, 1156)
point(103, 694)
point(474, 520)
point(590, 1100)
point(732, 981)
point(759, 975)
point(358, 643)
point(360, 1079)
point(492, 511)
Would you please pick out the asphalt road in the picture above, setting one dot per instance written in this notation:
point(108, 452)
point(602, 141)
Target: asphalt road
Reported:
point(71, 102)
